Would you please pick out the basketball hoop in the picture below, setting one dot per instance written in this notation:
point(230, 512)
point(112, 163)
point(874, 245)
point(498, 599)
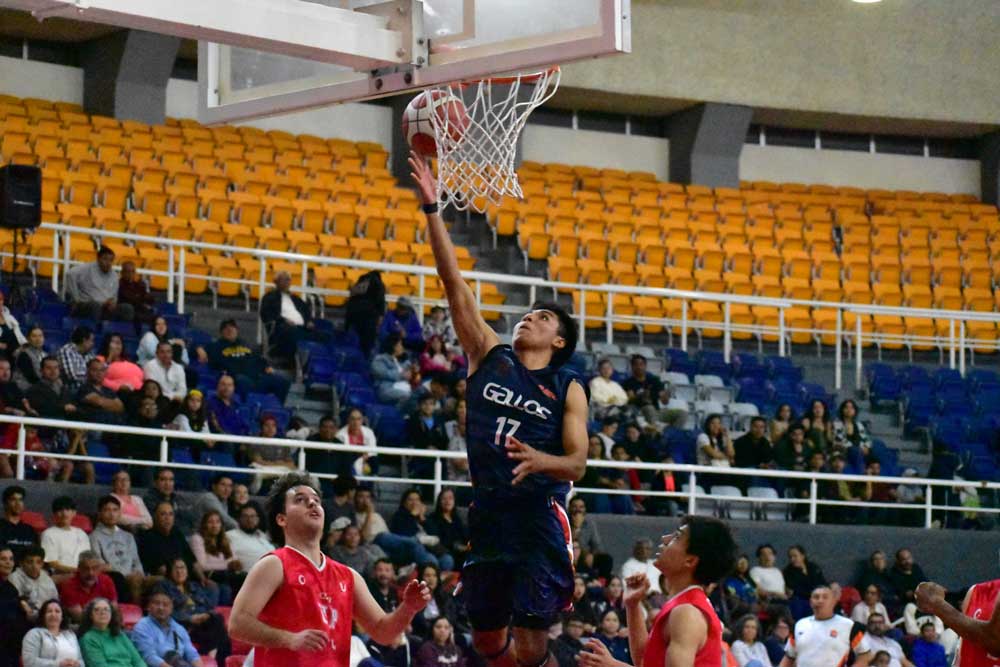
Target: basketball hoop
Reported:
point(476, 161)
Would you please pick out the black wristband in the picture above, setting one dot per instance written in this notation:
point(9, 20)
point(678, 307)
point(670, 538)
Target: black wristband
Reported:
point(430, 209)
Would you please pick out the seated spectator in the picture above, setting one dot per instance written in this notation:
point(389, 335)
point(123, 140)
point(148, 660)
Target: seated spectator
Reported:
point(402, 321)
point(753, 449)
point(33, 583)
point(164, 483)
point(117, 550)
point(585, 531)
point(841, 490)
point(383, 585)
point(96, 403)
point(607, 633)
point(158, 637)
point(162, 543)
point(134, 514)
point(871, 603)
point(168, 374)
point(606, 395)
point(780, 422)
point(11, 337)
point(878, 573)
point(409, 521)
point(424, 431)
point(102, 640)
point(223, 409)
point(28, 359)
point(569, 644)
point(14, 533)
point(643, 389)
point(748, 647)
point(248, 542)
point(878, 641)
point(393, 373)
point(438, 323)
point(437, 357)
point(50, 397)
point(642, 562)
point(350, 551)
point(51, 643)
point(160, 333)
point(239, 498)
point(121, 371)
point(216, 500)
point(75, 355)
point(793, 451)
point(214, 555)
point(769, 579)
point(62, 541)
point(802, 577)
point(604, 478)
point(193, 606)
point(906, 575)
point(286, 318)
point(740, 588)
point(133, 291)
point(323, 462)
point(714, 447)
point(92, 289)
point(230, 355)
point(375, 530)
point(850, 434)
point(639, 448)
point(819, 428)
point(609, 428)
point(271, 458)
point(777, 638)
point(440, 650)
point(192, 416)
point(446, 524)
point(88, 583)
point(342, 502)
point(13, 618)
point(927, 651)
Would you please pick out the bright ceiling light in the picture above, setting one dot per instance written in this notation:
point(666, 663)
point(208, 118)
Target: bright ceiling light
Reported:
point(866, 2)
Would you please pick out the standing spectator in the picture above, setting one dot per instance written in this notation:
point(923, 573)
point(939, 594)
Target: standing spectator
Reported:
point(403, 321)
point(28, 359)
point(93, 290)
point(160, 333)
point(393, 374)
point(568, 645)
point(715, 448)
point(606, 395)
point(906, 575)
point(642, 562)
point(748, 649)
point(134, 513)
point(159, 638)
point(643, 389)
point(871, 603)
point(825, 638)
point(117, 549)
point(33, 583)
point(121, 371)
point(215, 500)
point(87, 584)
point(927, 651)
point(352, 552)
point(356, 432)
point(10, 332)
point(850, 434)
point(75, 355)
point(364, 307)
point(102, 640)
point(286, 318)
point(214, 555)
point(769, 579)
point(132, 291)
point(819, 428)
point(802, 577)
point(229, 354)
point(438, 323)
point(780, 422)
point(162, 543)
point(51, 643)
point(169, 375)
point(224, 409)
point(63, 542)
point(878, 641)
point(13, 616)
point(446, 524)
point(193, 606)
point(248, 542)
point(607, 634)
point(14, 533)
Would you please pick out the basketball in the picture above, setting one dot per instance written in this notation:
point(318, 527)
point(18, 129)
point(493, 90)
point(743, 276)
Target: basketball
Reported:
point(418, 127)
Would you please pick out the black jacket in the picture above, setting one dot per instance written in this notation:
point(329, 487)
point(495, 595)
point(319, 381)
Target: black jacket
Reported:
point(270, 308)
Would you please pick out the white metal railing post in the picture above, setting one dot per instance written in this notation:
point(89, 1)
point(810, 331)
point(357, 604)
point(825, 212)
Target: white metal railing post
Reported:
point(55, 262)
point(684, 325)
point(22, 437)
point(65, 263)
point(838, 354)
point(532, 294)
point(422, 289)
point(781, 332)
point(164, 450)
point(692, 493)
point(961, 347)
point(857, 356)
point(929, 507)
point(181, 280)
point(170, 273)
point(261, 280)
point(479, 301)
point(609, 313)
point(951, 344)
point(813, 497)
point(438, 471)
point(727, 333)
point(583, 316)
point(301, 458)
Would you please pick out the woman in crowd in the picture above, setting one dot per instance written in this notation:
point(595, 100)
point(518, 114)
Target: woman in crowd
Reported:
point(437, 358)
point(441, 650)
point(121, 373)
point(11, 337)
point(612, 600)
point(606, 395)
point(819, 428)
point(878, 573)
point(192, 418)
point(351, 551)
point(447, 525)
point(441, 603)
point(393, 373)
point(608, 634)
point(134, 514)
point(102, 640)
point(748, 649)
point(780, 423)
point(740, 587)
point(52, 643)
point(604, 478)
point(871, 603)
point(715, 448)
point(239, 498)
point(160, 333)
point(850, 434)
point(410, 520)
point(802, 576)
point(582, 606)
point(194, 608)
point(356, 432)
point(28, 359)
point(781, 629)
point(211, 548)
point(458, 468)
point(151, 389)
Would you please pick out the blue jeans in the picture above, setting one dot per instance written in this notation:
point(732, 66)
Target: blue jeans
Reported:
point(408, 550)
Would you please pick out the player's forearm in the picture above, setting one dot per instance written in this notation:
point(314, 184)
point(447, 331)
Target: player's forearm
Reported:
point(565, 468)
point(977, 632)
point(386, 629)
point(444, 253)
point(246, 628)
point(636, 617)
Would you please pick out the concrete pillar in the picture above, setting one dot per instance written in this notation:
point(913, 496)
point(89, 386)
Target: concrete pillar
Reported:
point(705, 144)
point(989, 161)
point(125, 75)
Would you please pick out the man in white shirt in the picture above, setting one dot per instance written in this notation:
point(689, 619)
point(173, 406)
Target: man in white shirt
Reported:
point(826, 639)
point(877, 641)
point(605, 393)
point(32, 582)
point(168, 375)
point(63, 542)
point(248, 542)
point(286, 318)
point(642, 562)
point(769, 579)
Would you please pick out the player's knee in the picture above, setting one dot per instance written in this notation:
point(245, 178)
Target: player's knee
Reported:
point(490, 645)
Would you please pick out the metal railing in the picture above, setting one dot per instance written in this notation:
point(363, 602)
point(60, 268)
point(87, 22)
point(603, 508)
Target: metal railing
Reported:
point(691, 495)
point(848, 341)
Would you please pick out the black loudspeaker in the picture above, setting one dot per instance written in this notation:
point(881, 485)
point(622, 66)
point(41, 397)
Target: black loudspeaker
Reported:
point(20, 196)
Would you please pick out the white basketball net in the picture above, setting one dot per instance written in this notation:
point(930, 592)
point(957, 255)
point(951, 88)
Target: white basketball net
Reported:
point(476, 166)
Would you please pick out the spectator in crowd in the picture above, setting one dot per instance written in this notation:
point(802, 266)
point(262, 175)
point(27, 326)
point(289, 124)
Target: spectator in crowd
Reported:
point(223, 409)
point(777, 638)
point(216, 499)
point(638, 447)
point(192, 417)
point(121, 371)
point(403, 322)
point(714, 446)
point(442, 603)
point(393, 373)
point(325, 462)
point(409, 521)
point(748, 646)
point(878, 492)
point(28, 359)
point(33, 583)
point(159, 638)
point(455, 430)
point(840, 490)
point(169, 375)
point(356, 432)
point(604, 478)
point(446, 524)
point(440, 650)
point(740, 587)
point(248, 542)
point(351, 551)
point(871, 603)
point(134, 514)
point(437, 357)
point(606, 395)
point(825, 638)
point(10, 332)
point(286, 318)
point(162, 490)
point(215, 557)
point(11, 396)
point(88, 583)
point(92, 289)
point(14, 533)
point(162, 543)
point(50, 397)
point(96, 403)
point(160, 333)
point(753, 449)
point(424, 431)
point(230, 355)
point(150, 390)
point(13, 612)
point(375, 530)
point(102, 640)
point(365, 305)
point(607, 634)
point(117, 550)
point(769, 579)
point(133, 291)
point(567, 647)
point(62, 541)
point(643, 389)
point(438, 323)
point(643, 562)
point(819, 428)
point(850, 434)
point(271, 459)
point(793, 453)
point(51, 643)
point(878, 641)
point(906, 575)
point(609, 427)
point(341, 504)
point(193, 606)
point(780, 422)
point(802, 577)
point(585, 531)
point(878, 573)
point(382, 585)
point(75, 355)
point(927, 651)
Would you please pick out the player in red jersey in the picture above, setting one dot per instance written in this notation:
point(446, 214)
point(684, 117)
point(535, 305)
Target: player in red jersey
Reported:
point(686, 632)
point(978, 624)
point(297, 606)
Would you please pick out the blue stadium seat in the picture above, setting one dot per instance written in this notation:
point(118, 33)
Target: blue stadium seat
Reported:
point(680, 361)
point(103, 472)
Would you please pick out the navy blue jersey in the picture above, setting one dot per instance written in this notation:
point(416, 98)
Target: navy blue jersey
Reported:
point(506, 399)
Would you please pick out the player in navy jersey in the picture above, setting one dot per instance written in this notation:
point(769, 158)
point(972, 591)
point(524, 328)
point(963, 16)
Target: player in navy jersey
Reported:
point(526, 434)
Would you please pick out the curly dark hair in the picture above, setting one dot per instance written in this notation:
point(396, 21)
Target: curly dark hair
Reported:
point(275, 503)
point(114, 627)
point(712, 542)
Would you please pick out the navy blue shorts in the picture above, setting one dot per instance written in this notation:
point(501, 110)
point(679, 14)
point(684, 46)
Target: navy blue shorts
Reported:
point(520, 567)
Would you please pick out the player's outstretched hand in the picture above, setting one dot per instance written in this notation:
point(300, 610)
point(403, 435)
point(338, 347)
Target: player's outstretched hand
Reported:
point(596, 654)
point(636, 589)
point(416, 595)
point(529, 457)
point(929, 594)
point(421, 174)
point(308, 640)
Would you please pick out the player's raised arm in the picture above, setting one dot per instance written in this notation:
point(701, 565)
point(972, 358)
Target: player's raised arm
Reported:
point(385, 628)
point(476, 337)
point(569, 466)
point(930, 598)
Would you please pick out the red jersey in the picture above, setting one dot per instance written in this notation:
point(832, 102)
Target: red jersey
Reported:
point(310, 598)
point(981, 604)
point(710, 655)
